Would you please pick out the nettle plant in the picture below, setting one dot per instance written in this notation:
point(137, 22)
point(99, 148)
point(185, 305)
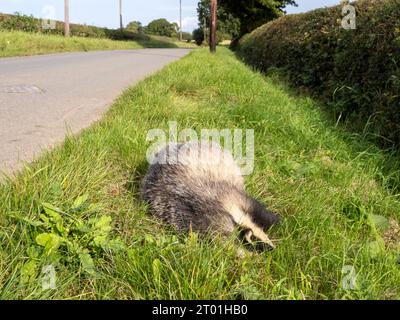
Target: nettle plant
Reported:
point(78, 235)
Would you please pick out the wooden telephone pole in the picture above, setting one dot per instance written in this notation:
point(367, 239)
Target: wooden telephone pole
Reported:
point(180, 20)
point(213, 31)
point(121, 25)
point(66, 18)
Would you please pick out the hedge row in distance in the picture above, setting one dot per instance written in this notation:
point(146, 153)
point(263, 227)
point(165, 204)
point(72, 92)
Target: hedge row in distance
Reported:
point(21, 22)
point(356, 71)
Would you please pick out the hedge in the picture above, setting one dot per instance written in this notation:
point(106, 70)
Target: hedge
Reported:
point(356, 72)
point(26, 23)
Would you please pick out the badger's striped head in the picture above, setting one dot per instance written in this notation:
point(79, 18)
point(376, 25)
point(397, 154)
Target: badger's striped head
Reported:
point(253, 219)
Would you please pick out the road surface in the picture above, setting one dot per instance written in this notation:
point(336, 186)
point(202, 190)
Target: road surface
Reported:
point(43, 97)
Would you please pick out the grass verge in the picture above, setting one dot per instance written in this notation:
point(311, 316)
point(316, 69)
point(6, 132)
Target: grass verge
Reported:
point(18, 43)
point(77, 208)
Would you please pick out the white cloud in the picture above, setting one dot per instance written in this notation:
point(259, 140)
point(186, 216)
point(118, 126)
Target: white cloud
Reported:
point(189, 23)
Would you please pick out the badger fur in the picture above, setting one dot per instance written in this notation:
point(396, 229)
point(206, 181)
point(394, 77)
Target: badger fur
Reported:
point(198, 186)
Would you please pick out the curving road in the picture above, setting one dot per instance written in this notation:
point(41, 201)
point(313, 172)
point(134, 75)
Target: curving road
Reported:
point(43, 97)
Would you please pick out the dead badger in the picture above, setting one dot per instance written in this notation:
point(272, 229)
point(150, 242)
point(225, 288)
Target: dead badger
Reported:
point(198, 186)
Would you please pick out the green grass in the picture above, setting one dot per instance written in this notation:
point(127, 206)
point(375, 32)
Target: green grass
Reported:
point(18, 43)
point(173, 42)
point(325, 182)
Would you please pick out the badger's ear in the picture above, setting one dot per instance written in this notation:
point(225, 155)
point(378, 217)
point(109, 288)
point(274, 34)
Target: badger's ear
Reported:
point(261, 215)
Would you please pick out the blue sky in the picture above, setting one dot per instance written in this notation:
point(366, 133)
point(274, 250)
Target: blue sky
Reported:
point(105, 12)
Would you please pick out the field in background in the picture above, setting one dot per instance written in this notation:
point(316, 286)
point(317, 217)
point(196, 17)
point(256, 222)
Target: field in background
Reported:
point(77, 209)
point(22, 35)
point(18, 43)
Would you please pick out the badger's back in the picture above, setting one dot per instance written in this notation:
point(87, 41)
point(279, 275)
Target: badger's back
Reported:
point(186, 185)
point(198, 186)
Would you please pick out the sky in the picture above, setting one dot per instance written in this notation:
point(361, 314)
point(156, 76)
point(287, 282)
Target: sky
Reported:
point(105, 13)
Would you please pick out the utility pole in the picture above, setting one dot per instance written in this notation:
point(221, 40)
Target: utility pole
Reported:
point(213, 31)
point(121, 25)
point(180, 19)
point(66, 18)
point(205, 30)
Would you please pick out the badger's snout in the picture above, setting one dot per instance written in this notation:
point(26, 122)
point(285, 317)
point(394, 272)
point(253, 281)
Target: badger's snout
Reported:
point(253, 243)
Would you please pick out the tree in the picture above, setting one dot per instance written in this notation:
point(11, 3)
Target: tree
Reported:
point(254, 13)
point(176, 27)
point(228, 26)
point(162, 27)
point(135, 26)
point(186, 36)
point(198, 36)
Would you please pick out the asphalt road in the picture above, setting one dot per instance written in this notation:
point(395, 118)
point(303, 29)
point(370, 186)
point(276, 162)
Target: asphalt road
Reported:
point(44, 97)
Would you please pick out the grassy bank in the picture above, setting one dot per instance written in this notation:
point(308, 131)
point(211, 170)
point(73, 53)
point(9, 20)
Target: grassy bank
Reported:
point(18, 43)
point(336, 193)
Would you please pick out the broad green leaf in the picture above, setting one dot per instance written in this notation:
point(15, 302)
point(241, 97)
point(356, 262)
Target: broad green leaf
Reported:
point(100, 241)
point(149, 238)
point(249, 292)
point(132, 254)
point(87, 263)
point(102, 228)
point(60, 228)
point(374, 249)
point(28, 272)
point(73, 246)
point(46, 220)
point(103, 225)
point(31, 222)
point(80, 200)
point(292, 166)
point(81, 227)
point(114, 245)
point(379, 222)
point(49, 241)
point(53, 213)
point(33, 252)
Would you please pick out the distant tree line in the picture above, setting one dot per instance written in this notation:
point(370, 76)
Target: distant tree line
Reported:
point(158, 27)
point(237, 18)
point(133, 31)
